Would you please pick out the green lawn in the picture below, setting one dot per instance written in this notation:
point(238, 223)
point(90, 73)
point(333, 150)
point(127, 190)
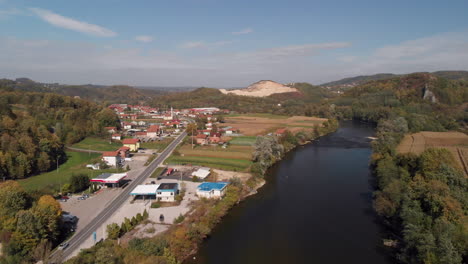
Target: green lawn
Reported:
point(157, 172)
point(99, 144)
point(212, 162)
point(159, 145)
point(74, 165)
point(243, 140)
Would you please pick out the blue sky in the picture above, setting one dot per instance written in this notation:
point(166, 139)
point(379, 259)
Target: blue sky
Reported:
point(227, 43)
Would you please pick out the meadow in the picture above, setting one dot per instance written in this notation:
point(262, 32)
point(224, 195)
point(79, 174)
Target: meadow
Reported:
point(98, 144)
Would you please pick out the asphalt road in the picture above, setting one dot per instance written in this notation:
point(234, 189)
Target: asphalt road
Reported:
point(58, 255)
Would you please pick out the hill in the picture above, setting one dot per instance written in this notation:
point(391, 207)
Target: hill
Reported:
point(350, 82)
point(35, 126)
point(95, 93)
point(261, 89)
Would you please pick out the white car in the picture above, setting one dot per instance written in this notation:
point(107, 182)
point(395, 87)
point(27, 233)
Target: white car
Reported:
point(63, 246)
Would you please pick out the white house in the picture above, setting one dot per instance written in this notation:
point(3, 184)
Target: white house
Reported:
point(167, 191)
point(117, 136)
point(202, 172)
point(111, 158)
point(212, 189)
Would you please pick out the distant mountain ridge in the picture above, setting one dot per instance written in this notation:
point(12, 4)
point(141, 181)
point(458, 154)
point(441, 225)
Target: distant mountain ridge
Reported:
point(357, 80)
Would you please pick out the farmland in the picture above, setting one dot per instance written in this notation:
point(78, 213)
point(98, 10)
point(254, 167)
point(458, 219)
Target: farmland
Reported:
point(235, 158)
point(261, 124)
point(99, 144)
point(455, 142)
point(159, 145)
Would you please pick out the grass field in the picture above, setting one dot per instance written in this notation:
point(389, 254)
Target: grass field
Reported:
point(243, 140)
point(74, 165)
point(234, 152)
point(159, 145)
point(455, 142)
point(98, 144)
point(261, 124)
point(212, 162)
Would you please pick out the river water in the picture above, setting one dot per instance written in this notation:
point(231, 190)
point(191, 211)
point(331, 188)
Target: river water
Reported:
point(316, 207)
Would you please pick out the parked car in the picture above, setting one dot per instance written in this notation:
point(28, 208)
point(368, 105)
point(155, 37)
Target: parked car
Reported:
point(63, 246)
point(81, 198)
point(64, 198)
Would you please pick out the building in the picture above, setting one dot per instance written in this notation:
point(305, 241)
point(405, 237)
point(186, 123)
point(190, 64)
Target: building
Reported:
point(127, 125)
point(111, 158)
point(111, 130)
point(153, 131)
point(124, 152)
point(147, 191)
point(116, 136)
point(212, 189)
point(132, 143)
point(110, 179)
point(280, 132)
point(202, 139)
point(167, 191)
point(202, 173)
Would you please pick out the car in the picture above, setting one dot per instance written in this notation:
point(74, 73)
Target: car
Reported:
point(153, 182)
point(63, 246)
point(86, 195)
point(81, 198)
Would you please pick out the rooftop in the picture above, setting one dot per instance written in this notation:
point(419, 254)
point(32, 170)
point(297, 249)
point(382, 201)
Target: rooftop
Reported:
point(109, 177)
point(130, 141)
point(208, 186)
point(168, 186)
point(110, 153)
point(145, 189)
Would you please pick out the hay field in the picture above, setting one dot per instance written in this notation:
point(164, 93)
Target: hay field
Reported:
point(455, 142)
point(253, 125)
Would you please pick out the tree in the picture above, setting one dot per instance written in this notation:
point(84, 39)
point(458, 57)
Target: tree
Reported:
point(191, 129)
point(79, 182)
point(113, 231)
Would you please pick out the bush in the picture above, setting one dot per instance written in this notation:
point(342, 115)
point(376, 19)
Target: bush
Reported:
point(79, 183)
point(155, 204)
point(195, 179)
point(179, 219)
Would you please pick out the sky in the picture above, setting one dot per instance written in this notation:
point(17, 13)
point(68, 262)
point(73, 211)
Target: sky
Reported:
point(216, 43)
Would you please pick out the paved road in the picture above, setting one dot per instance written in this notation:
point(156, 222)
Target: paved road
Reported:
point(59, 255)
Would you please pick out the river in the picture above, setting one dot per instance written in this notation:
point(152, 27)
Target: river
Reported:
point(316, 207)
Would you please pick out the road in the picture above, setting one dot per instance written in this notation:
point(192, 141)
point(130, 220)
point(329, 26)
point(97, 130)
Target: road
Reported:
point(58, 255)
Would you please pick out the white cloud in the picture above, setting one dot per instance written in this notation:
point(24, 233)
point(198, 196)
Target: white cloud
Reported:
point(70, 62)
point(144, 39)
point(243, 31)
point(72, 24)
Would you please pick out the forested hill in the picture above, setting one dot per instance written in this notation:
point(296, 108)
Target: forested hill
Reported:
point(426, 101)
point(347, 83)
point(284, 103)
point(95, 93)
point(34, 127)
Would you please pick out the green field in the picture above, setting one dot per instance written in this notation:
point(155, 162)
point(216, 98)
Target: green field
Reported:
point(74, 165)
point(159, 145)
point(243, 140)
point(264, 115)
point(212, 162)
point(99, 144)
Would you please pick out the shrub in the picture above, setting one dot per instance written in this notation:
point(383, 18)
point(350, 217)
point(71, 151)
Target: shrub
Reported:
point(179, 219)
point(155, 204)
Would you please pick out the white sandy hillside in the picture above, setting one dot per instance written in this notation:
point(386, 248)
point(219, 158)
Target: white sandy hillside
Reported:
point(262, 89)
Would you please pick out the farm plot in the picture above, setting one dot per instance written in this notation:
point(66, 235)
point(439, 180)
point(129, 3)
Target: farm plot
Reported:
point(455, 142)
point(253, 125)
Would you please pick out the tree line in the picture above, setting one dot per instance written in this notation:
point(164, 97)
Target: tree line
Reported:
point(35, 127)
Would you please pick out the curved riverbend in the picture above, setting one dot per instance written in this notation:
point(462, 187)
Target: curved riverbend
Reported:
point(315, 208)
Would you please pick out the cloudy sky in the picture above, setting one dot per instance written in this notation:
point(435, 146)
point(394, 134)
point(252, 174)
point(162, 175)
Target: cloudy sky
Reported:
point(219, 43)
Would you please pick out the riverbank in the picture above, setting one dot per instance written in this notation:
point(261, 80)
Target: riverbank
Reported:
point(184, 238)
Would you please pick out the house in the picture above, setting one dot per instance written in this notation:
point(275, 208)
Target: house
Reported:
point(116, 136)
point(141, 134)
point(111, 158)
point(202, 139)
point(229, 131)
point(214, 140)
point(153, 131)
point(111, 130)
point(166, 192)
point(124, 152)
point(132, 143)
point(201, 173)
point(212, 189)
point(280, 132)
point(127, 125)
point(209, 126)
point(141, 123)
